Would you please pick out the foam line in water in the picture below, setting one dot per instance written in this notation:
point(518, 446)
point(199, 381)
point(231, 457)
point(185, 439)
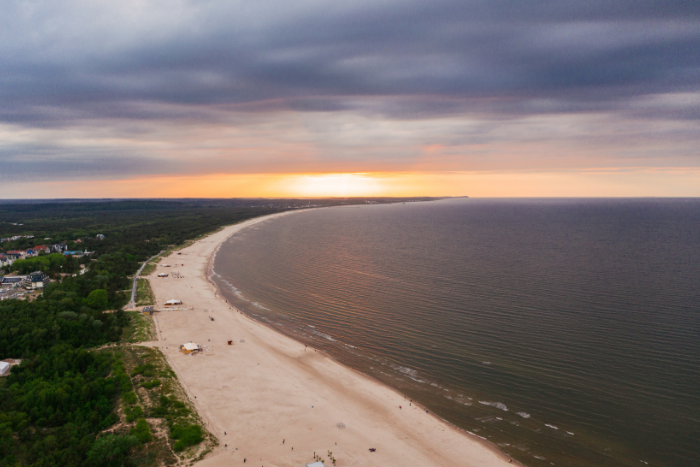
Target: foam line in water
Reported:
point(498, 405)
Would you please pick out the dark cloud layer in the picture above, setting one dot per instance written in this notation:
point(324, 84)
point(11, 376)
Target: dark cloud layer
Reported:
point(309, 54)
point(115, 64)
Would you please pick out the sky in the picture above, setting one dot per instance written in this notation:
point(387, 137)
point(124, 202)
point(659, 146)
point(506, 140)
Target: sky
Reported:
point(211, 98)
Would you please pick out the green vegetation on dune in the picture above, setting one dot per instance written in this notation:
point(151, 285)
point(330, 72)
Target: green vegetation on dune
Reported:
point(144, 293)
point(139, 329)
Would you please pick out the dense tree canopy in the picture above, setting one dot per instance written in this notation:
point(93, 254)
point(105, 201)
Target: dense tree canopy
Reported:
point(54, 405)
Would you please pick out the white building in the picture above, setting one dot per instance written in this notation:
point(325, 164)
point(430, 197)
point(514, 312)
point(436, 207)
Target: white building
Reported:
point(35, 280)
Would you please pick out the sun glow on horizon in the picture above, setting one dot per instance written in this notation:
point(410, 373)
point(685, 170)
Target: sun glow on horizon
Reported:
point(598, 183)
point(338, 185)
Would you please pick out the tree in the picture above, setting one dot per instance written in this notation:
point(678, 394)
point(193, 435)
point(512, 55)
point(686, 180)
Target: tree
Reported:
point(97, 300)
point(111, 450)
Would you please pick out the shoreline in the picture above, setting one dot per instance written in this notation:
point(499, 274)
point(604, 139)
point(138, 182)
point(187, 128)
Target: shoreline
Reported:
point(281, 404)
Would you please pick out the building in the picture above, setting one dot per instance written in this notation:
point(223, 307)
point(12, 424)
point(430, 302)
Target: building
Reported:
point(39, 248)
point(76, 253)
point(6, 260)
point(35, 280)
point(6, 364)
point(100, 237)
point(59, 247)
point(8, 294)
point(148, 309)
point(190, 347)
point(15, 281)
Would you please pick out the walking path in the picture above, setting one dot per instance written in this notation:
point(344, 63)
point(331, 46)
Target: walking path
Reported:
point(132, 303)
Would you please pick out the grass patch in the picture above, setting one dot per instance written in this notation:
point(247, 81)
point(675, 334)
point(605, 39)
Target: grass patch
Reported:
point(151, 266)
point(144, 293)
point(142, 431)
point(151, 384)
point(186, 436)
point(146, 369)
point(140, 329)
point(161, 403)
point(133, 413)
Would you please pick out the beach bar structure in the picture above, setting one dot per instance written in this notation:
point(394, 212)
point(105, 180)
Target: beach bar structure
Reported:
point(190, 347)
point(173, 302)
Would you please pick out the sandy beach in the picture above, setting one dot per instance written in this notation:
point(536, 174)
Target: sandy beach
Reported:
point(274, 402)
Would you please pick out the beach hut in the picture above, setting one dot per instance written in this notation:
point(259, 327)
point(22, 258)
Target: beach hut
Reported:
point(190, 347)
point(173, 302)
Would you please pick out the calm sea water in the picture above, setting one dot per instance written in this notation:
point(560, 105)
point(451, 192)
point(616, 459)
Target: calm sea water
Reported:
point(567, 332)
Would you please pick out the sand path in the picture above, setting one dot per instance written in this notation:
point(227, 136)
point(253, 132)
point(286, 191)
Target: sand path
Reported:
point(266, 387)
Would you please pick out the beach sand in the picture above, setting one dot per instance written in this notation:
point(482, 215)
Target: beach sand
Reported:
point(267, 387)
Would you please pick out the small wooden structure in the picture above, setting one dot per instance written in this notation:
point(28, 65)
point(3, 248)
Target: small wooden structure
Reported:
point(190, 347)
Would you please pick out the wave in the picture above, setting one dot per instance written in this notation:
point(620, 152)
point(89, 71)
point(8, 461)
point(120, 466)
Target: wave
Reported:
point(323, 335)
point(498, 405)
point(524, 414)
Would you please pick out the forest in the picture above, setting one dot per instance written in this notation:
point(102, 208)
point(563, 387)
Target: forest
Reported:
point(55, 405)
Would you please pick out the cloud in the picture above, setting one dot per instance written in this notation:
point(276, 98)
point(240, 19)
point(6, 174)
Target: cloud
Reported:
point(137, 87)
point(86, 56)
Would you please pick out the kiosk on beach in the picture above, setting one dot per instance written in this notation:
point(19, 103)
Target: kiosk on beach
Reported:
point(190, 347)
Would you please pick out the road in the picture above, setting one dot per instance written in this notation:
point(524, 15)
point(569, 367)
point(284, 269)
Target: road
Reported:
point(132, 303)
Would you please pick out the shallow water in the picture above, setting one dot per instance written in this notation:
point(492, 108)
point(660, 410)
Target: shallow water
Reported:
point(565, 331)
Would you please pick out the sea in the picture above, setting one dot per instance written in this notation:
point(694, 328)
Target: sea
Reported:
point(564, 331)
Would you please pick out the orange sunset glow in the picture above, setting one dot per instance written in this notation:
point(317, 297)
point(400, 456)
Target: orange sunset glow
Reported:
point(598, 183)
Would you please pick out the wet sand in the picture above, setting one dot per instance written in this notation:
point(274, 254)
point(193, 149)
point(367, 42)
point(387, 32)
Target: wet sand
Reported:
point(267, 387)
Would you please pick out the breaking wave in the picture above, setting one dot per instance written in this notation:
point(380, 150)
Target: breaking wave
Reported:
point(498, 405)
